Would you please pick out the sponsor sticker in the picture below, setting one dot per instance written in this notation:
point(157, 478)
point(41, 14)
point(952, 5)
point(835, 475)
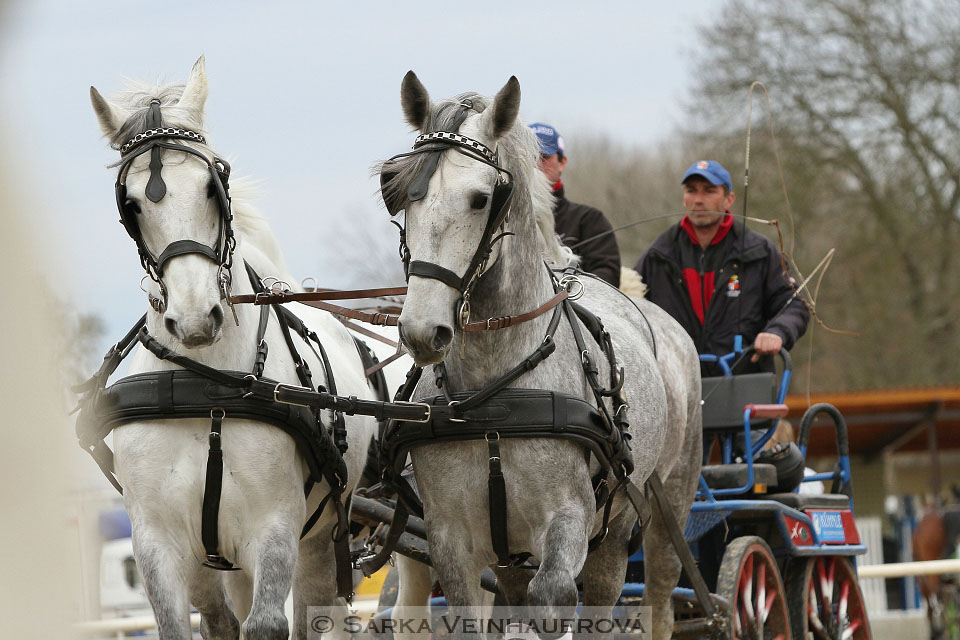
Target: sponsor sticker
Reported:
point(828, 525)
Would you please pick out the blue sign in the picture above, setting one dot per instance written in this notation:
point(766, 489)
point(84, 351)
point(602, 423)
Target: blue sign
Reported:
point(828, 525)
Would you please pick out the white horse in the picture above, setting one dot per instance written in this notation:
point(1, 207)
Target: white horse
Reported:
point(551, 509)
point(161, 463)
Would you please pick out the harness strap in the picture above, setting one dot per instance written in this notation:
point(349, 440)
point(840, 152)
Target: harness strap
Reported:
point(497, 498)
point(274, 296)
point(679, 542)
point(398, 523)
point(210, 523)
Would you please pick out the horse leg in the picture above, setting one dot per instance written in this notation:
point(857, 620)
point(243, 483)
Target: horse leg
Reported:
point(239, 587)
point(315, 585)
point(273, 555)
point(553, 590)
point(605, 568)
point(415, 584)
point(161, 568)
point(513, 584)
point(458, 566)
point(207, 593)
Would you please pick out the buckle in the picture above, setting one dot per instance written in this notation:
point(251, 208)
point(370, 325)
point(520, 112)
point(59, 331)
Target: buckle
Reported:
point(426, 406)
point(290, 387)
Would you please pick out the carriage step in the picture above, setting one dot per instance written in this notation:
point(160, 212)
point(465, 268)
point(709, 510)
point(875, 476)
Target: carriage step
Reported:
point(732, 476)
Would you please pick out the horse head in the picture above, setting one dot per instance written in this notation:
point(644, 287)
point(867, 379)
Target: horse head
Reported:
point(172, 193)
point(456, 195)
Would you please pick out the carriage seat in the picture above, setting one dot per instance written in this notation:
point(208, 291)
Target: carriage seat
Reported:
point(726, 396)
point(732, 476)
point(807, 501)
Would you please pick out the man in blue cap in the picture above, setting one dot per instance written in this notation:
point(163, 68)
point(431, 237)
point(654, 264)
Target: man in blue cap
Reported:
point(720, 280)
point(574, 222)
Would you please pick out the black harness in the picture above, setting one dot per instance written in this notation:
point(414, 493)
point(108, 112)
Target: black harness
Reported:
point(497, 411)
point(200, 391)
point(433, 144)
point(154, 139)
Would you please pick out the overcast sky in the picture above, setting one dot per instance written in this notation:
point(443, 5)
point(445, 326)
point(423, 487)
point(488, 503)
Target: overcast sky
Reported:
point(305, 97)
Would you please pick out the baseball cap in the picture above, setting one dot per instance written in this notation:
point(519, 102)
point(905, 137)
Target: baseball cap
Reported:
point(712, 171)
point(551, 141)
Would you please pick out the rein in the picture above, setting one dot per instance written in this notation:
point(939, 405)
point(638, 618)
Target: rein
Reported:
point(317, 299)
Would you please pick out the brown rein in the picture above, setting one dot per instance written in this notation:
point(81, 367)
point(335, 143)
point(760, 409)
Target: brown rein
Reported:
point(317, 299)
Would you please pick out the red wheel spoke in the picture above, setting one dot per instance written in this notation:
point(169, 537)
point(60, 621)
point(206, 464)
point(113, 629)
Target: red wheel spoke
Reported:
point(842, 608)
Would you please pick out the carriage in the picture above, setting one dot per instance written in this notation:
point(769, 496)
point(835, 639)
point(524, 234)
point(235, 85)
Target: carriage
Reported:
point(778, 562)
point(618, 475)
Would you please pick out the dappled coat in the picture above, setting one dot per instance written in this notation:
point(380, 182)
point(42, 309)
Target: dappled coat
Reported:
point(735, 285)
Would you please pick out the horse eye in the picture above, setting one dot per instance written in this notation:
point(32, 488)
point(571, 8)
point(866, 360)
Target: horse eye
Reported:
point(131, 206)
point(479, 201)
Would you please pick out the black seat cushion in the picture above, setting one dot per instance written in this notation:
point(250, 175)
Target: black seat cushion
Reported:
point(731, 476)
point(725, 396)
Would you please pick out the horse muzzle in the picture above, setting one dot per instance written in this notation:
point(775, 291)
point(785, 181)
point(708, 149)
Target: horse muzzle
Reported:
point(427, 343)
point(195, 330)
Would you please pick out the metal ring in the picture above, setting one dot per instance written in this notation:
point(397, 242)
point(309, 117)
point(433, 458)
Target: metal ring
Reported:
point(303, 283)
point(567, 283)
point(221, 410)
point(486, 435)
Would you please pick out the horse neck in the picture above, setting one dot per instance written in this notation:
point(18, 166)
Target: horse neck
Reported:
point(517, 283)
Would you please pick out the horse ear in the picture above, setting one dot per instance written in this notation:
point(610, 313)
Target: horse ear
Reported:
point(504, 110)
point(110, 117)
point(415, 100)
point(195, 93)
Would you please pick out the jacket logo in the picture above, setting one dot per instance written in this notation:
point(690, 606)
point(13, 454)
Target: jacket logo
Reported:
point(733, 286)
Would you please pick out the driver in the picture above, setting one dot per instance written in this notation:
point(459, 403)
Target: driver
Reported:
point(719, 279)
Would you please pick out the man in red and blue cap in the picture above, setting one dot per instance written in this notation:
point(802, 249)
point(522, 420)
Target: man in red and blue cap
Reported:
point(719, 279)
point(574, 222)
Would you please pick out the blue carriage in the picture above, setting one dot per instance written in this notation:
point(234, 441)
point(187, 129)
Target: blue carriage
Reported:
point(778, 559)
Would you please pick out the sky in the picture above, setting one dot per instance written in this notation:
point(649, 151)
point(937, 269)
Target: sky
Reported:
point(304, 97)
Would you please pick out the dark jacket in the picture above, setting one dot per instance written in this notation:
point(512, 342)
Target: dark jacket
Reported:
point(577, 222)
point(736, 284)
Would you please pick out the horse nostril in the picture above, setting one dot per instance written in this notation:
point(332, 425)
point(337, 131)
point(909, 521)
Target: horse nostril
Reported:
point(216, 314)
point(442, 337)
point(171, 326)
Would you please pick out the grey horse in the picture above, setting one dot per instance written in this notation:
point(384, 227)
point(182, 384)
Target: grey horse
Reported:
point(551, 508)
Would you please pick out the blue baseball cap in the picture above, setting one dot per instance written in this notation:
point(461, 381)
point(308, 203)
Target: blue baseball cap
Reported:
point(551, 141)
point(712, 171)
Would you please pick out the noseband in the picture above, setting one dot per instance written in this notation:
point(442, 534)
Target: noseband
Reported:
point(154, 139)
point(434, 144)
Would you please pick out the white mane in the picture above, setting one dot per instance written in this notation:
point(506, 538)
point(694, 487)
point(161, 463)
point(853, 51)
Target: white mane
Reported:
point(252, 228)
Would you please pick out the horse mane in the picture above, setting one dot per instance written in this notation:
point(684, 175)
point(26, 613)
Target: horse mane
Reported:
point(249, 224)
point(253, 227)
point(135, 99)
point(519, 153)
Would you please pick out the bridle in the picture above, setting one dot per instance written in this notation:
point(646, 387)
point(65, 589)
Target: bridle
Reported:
point(154, 139)
point(434, 143)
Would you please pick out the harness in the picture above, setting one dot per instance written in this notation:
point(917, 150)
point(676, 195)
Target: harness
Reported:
point(199, 391)
point(433, 144)
point(496, 411)
point(154, 139)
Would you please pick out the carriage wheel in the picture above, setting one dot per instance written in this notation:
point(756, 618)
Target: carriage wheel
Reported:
point(825, 600)
point(750, 581)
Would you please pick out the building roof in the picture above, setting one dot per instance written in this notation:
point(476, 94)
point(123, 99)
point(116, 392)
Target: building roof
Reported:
point(884, 419)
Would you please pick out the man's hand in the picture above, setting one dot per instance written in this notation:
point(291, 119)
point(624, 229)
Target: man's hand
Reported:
point(766, 343)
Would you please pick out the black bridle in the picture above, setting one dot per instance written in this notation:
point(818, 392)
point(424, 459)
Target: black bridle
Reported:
point(435, 143)
point(154, 139)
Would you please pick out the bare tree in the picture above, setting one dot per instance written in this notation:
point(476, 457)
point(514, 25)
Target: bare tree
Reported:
point(868, 95)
